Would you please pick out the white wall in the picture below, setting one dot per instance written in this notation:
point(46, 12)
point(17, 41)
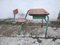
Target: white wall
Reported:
point(6, 7)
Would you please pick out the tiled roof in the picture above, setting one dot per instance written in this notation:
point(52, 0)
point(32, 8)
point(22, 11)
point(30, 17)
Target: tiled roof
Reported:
point(59, 16)
point(38, 11)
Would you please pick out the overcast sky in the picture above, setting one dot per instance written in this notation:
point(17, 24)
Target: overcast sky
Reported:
point(7, 6)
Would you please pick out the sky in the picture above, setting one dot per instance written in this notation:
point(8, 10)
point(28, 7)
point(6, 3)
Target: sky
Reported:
point(7, 7)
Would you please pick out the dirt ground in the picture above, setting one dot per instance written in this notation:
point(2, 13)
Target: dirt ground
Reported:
point(28, 30)
point(9, 35)
point(12, 30)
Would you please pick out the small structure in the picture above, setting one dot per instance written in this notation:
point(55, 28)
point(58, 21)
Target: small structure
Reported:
point(59, 16)
point(20, 20)
point(40, 14)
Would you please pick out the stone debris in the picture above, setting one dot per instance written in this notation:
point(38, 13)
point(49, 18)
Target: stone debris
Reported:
point(26, 41)
point(53, 33)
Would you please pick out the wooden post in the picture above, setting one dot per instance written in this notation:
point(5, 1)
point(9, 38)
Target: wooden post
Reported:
point(14, 17)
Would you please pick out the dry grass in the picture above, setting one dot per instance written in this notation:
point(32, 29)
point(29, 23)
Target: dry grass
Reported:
point(8, 28)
